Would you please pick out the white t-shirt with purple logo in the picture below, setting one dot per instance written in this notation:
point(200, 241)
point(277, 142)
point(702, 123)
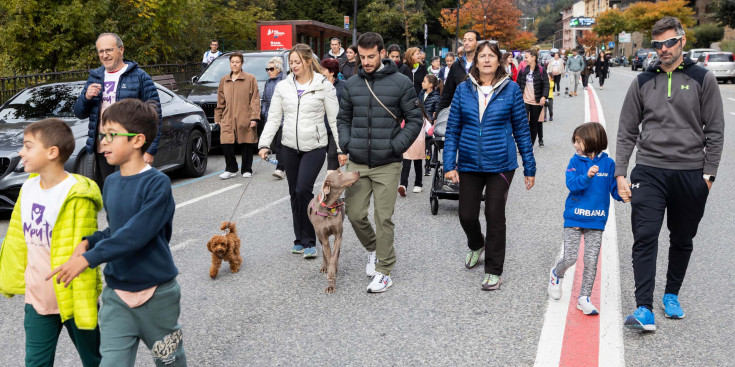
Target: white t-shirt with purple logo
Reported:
point(39, 209)
point(301, 88)
point(109, 88)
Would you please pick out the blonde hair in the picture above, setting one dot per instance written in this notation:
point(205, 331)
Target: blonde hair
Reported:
point(277, 61)
point(410, 53)
point(307, 58)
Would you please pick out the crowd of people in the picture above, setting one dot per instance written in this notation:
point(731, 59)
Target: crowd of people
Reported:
point(366, 108)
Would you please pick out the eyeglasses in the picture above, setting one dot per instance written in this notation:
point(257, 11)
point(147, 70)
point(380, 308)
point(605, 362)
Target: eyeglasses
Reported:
point(110, 136)
point(106, 51)
point(669, 43)
point(270, 69)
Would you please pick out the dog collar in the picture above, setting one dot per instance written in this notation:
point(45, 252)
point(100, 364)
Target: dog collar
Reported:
point(333, 209)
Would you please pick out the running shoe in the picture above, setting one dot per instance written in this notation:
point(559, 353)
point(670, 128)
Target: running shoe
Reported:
point(309, 252)
point(641, 319)
point(472, 258)
point(587, 308)
point(297, 249)
point(380, 283)
point(554, 287)
point(402, 190)
point(491, 282)
point(417, 189)
point(672, 307)
point(279, 174)
point(225, 175)
point(370, 267)
point(247, 174)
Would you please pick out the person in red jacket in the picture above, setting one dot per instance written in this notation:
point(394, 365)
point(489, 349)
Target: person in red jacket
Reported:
point(510, 66)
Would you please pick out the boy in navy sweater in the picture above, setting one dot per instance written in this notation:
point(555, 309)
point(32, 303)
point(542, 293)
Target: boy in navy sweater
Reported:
point(140, 269)
point(590, 181)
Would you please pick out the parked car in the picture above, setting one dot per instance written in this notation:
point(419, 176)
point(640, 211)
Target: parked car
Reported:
point(640, 55)
point(203, 90)
point(721, 64)
point(696, 52)
point(185, 135)
point(649, 60)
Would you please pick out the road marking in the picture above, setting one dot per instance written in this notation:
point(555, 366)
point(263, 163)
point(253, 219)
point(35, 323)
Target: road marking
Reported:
point(732, 113)
point(255, 160)
point(732, 99)
point(192, 201)
point(567, 336)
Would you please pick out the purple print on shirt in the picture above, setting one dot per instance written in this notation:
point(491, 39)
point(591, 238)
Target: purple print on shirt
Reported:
point(40, 231)
point(109, 89)
point(37, 213)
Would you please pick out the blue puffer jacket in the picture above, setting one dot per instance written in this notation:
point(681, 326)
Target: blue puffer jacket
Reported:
point(488, 145)
point(134, 83)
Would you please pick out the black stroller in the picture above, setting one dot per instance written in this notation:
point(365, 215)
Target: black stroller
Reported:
point(441, 188)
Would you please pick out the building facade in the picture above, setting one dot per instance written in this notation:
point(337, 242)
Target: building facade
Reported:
point(570, 34)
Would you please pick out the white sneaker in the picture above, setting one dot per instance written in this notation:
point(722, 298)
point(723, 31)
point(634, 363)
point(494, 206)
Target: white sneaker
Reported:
point(225, 175)
point(554, 287)
point(279, 174)
point(247, 174)
point(417, 189)
point(587, 308)
point(370, 267)
point(380, 283)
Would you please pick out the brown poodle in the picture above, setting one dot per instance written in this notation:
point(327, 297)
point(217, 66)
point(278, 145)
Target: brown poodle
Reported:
point(225, 247)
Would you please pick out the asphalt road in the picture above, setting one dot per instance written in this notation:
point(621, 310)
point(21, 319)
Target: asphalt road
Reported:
point(274, 312)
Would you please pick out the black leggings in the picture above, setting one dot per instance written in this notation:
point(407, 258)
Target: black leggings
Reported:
point(557, 83)
point(277, 146)
point(332, 161)
point(533, 112)
point(406, 169)
point(585, 80)
point(601, 78)
point(231, 161)
point(496, 187)
point(302, 169)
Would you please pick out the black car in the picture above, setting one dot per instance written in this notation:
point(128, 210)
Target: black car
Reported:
point(640, 55)
point(185, 135)
point(203, 90)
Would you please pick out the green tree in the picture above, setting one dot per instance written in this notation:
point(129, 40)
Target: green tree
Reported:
point(398, 21)
point(725, 13)
point(706, 34)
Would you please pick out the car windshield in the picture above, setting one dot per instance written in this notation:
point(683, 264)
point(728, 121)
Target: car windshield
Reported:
point(42, 102)
point(720, 58)
point(221, 66)
point(643, 53)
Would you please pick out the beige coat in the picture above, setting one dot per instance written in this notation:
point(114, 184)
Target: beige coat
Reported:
point(238, 103)
point(417, 150)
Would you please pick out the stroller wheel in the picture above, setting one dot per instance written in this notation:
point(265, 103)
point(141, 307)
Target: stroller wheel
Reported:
point(434, 205)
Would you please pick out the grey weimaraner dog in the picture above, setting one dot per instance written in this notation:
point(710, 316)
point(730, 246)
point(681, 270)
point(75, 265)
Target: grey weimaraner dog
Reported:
point(326, 213)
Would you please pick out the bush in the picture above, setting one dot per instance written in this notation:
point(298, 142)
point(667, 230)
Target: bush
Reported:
point(727, 46)
point(706, 34)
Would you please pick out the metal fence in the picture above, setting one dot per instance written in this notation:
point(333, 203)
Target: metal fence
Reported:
point(9, 86)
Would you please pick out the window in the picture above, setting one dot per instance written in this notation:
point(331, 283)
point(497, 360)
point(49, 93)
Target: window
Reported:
point(164, 97)
point(720, 57)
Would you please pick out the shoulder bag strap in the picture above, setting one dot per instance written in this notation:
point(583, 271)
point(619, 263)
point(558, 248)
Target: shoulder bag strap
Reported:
point(378, 99)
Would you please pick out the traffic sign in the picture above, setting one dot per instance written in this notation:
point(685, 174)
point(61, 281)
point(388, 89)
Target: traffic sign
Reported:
point(611, 44)
point(347, 22)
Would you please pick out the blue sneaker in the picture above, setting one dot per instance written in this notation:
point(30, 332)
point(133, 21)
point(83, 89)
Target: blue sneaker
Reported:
point(672, 307)
point(309, 252)
point(641, 319)
point(297, 249)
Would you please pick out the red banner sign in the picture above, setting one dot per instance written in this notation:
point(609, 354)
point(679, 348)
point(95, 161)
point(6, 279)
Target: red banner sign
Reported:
point(276, 37)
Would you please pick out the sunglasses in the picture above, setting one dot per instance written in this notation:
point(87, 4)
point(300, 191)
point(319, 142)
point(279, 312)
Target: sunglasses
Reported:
point(669, 43)
point(111, 136)
point(270, 69)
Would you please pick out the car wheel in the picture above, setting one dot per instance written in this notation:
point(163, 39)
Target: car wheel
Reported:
point(196, 154)
point(87, 166)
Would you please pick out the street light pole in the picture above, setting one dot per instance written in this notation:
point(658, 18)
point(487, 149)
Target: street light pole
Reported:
point(459, 5)
point(354, 23)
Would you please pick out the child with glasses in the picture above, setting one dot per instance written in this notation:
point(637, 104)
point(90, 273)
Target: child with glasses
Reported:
point(140, 270)
point(590, 181)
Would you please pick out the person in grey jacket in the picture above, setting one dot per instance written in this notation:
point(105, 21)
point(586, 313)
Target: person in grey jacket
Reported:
point(374, 103)
point(673, 114)
point(575, 64)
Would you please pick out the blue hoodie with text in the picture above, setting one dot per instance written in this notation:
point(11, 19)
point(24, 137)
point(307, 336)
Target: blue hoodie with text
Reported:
point(589, 197)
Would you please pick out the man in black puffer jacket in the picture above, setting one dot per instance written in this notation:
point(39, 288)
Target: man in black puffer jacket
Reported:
point(372, 136)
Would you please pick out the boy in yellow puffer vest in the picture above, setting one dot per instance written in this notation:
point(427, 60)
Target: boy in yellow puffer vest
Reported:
point(54, 211)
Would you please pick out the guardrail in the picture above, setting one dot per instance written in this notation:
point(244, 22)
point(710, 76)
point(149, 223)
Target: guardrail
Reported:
point(9, 86)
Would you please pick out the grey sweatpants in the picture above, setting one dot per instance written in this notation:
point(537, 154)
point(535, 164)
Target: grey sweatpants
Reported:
point(575, 79)
point(592, 243)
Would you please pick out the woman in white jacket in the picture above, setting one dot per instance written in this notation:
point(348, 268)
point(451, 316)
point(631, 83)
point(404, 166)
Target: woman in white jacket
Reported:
point(302, 99)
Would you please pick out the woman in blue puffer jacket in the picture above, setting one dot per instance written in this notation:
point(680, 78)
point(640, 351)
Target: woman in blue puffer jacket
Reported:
point(489, 115)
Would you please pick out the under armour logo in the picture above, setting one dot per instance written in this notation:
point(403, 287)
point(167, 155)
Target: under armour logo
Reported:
point(635, 186)
point(685, 87)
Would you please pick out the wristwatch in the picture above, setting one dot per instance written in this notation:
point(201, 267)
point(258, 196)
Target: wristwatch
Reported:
point(709, 178)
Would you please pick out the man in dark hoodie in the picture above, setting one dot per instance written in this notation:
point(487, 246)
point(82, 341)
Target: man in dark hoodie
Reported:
point(673, 114)
point(336, 52)
point(374, 103)
point(460, 68)
point(115, 80)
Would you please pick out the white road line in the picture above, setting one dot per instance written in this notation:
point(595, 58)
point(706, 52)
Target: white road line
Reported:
point(732, 113)
point(555, 321)
point(192, 201)
point(732, 99)
point(611, 352)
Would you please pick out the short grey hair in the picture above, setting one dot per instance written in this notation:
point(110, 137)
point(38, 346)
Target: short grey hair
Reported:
point(118, 40)
point(277, 62)
point(336, 39)
point(665, 24)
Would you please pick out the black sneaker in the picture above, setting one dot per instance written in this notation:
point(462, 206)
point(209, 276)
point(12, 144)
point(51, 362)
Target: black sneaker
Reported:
point(540, 143)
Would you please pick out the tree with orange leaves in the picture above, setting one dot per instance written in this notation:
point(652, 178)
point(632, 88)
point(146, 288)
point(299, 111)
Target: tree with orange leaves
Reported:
point(498, 19)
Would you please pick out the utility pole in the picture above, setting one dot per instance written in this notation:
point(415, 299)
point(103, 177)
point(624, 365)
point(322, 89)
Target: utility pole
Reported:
point(354, 24)
point(459, 5)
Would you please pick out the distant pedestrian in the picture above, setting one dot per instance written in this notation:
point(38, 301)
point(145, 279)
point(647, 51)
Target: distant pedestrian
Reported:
point(602, 67)
point(449, 60)
point(575, 65)
point(590, 181)
point(487, 121)
point(435, 66)
point(336, 51)
point(556, 68)
point(374, 103)
point(275, 75)
point(394, 53)
point(678, 130)
point(430, 99)
point(413, 68)
point(237, 114)
point(330, 69)
point(211, 54)
point(349, 68)
point(460, 69)
point(301, 101)
point(510, 66)
point(535, 85)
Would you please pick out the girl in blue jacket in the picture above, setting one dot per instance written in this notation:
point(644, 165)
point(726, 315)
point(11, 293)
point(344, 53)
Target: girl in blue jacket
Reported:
point(591, 181)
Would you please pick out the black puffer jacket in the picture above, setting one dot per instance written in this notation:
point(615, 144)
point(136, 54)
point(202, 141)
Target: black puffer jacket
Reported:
point(540, 82)
point(367, 132)
point(416, 77)
point(431, 103)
